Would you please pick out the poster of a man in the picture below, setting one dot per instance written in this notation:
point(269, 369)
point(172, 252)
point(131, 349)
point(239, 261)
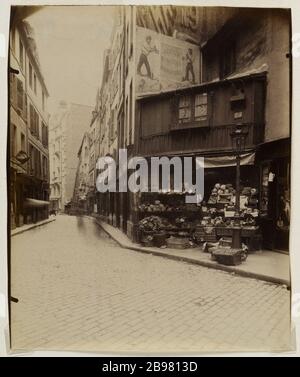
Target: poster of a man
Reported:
point(189, 67)
point(147, 48)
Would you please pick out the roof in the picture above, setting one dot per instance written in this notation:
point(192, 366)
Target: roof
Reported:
point(257, 72)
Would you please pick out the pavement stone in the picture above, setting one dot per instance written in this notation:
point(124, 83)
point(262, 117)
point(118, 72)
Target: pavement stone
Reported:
point(79, 290)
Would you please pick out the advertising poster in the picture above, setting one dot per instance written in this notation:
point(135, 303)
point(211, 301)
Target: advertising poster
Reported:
point(165, 63)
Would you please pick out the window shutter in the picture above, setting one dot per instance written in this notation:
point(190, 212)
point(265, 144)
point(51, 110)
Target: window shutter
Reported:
point(25, 105)
point(31, 119)
point(20, 95)
point(37, 124)
point(11, 87)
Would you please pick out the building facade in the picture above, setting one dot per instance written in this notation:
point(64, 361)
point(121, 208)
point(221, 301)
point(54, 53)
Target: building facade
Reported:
point(82, 180)
point(67, 126)
point(28, 128)
point(188, 77)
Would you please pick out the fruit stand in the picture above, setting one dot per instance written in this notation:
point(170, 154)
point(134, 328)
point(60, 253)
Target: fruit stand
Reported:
point(209, 221)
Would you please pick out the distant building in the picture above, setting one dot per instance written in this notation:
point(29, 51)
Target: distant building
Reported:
point(66, 128)
point(82, 180)
point(29, 157)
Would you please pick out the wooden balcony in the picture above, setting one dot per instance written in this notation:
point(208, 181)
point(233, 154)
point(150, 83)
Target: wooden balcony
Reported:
point(197, 140)
point(160, 131)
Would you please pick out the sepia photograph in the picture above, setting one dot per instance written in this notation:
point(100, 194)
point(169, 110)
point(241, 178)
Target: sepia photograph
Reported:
point(149, 179)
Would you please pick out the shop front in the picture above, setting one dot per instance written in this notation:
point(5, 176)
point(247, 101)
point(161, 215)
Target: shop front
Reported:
point(35, 201)
point(274, 163)
point(187, 225)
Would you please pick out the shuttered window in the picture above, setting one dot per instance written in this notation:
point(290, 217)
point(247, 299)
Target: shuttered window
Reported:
point(44, 135)
point(201, 106)
point(13, 141)
point(34, 121)
point(185, 109)
point(20, 95)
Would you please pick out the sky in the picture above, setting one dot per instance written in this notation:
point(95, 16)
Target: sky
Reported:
point(70, 43)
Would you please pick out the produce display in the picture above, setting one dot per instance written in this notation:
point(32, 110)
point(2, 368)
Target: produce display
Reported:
point(158, 206)
point(151, 224)
point(222, 201)
point(205, 222)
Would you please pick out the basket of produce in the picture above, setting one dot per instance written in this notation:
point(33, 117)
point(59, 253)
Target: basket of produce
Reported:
point(152, 232)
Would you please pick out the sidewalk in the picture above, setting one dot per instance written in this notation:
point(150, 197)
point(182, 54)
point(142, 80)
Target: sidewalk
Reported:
point(24, 228)
point(263, 265)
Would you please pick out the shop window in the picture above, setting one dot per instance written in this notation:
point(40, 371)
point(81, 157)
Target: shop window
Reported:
point(264, 192)
point(201, 107)
point(184, 110)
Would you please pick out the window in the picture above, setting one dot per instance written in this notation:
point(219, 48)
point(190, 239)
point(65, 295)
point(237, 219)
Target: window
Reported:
point(21, 54)
point(30, 75)
point(32, 158)
point(23, 146)
point(45, 167)
point(34, 121)
point(190, 111)
point(44, 135)
point(13, 140)
point(184, 111)
point(20, 95)
point(21, 98)
point(38, 167)
point(34, 83)
point(201, 107)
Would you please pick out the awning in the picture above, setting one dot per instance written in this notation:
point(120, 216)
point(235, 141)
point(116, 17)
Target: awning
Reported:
point(225, 161)
point(29, 202)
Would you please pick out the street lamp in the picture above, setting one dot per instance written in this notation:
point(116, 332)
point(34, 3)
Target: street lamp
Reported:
point(238, 137)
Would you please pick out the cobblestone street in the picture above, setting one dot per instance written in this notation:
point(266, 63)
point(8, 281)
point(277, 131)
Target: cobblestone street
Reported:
point(78, 290)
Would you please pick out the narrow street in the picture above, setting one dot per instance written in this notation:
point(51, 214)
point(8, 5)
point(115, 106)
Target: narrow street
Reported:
point(77, 289)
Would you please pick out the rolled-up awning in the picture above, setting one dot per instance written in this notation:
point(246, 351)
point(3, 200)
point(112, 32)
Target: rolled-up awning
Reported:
point(229, 160)
point(30, 202)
